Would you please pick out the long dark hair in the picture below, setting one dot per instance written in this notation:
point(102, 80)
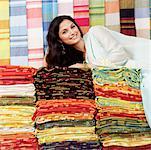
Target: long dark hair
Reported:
point(58, 54)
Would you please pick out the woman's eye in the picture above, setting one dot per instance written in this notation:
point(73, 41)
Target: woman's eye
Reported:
point(73, 26)
point(64, 32)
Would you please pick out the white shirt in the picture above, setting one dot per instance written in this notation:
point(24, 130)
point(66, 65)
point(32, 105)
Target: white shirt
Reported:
point(105, 47)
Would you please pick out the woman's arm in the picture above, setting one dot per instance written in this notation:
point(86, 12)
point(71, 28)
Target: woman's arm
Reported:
point(115, 52)
point(44, 62)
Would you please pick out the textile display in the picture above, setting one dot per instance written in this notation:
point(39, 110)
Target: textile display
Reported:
point(24, 24)
point(71, 145)
point(65, 106)
point(49, 11)
point(127, 19)
point(97, 10)
point(17, 108)
point(65, 7)
point(81, 14)
point(18, 33)
point(145, 147)
point(142, 14)
point(4, 33)
point(22, 140)
point(112, 15)
point(120, 119)
point(35, 33)
point(58, 83)
point(74, 108)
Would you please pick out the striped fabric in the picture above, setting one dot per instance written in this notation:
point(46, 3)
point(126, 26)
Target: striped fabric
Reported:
point(112, 15)
point(18, 33)
point(4, 32)
point(65, 7)
point(22, 140)
point(65, 106)
point(142, 18)
point(127, 19)
point(49, 11)
point(96, 8)
point(17, 108)
point(35, 33)
point(72, 145)
point(81, 14)
point(120, 118)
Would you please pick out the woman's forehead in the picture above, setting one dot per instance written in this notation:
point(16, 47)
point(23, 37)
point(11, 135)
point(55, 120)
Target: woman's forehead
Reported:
point(65, 24)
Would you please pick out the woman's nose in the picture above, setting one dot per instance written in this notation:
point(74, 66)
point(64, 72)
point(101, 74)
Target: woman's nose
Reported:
point(71, 31)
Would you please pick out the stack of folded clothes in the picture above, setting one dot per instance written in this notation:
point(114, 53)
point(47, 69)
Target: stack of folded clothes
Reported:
point(65, 109)
point(17, 107)
point(121, 122)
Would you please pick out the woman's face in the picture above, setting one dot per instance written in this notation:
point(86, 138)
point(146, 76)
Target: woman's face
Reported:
point(69, 32)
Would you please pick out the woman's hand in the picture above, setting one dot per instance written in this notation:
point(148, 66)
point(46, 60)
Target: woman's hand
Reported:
point(80, 65)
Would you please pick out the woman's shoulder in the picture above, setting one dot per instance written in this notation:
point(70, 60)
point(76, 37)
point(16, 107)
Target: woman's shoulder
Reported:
point(97, 28)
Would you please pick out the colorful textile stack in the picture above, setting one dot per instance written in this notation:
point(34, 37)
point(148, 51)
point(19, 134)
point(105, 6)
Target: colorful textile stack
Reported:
point(97, 11)
point(64, 117)
point(142, 18)
point(121, 121)
point(17, 108)
point(127, 19)
point(4, 33)
point(112, 15)
point(81, 14)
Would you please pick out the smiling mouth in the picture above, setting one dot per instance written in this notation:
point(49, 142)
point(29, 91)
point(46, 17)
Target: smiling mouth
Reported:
point(73, 37)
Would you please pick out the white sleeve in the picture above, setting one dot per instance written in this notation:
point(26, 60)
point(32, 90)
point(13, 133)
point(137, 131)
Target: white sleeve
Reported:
point(115, 52)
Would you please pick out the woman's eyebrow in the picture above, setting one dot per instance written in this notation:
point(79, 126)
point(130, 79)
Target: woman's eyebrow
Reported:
point(63, 29)
point(72, 24)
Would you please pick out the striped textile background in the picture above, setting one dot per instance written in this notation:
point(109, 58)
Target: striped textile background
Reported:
point(35, 33)
point(127, 20)
point(4, 32)
point(81, 14)
point(142, 18)
point(65, 7)
point(49, 11)
point(96, 12)
point(24, 24)
point(18, 33)
point(112, 14)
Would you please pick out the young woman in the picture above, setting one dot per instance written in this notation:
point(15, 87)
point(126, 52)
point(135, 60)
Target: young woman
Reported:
point(99, 47)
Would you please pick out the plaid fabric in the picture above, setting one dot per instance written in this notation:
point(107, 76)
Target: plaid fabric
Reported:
point(112, 15)
point(96, 12)
point(35, 33)
point(127, 20)
point(49, 11)
point(81, 14)
point(65, 7)
point(142, 18)
point(4, 33)
point(18, 33)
